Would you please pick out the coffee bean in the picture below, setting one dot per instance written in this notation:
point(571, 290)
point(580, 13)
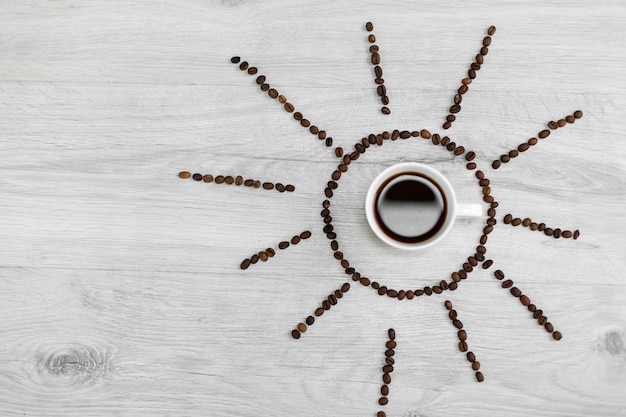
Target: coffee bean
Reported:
point(578, 114)
point(491, 30)
point(516, 221)
point(391, 333)
point(264, 87)
point(548, 231)
point(245, 264)
point(479, 59)
point(392, 293)
point(561, 123)
point(570, 119)
point(270, 252)
point(319, 311)
point(302, 327)
point(260, 79)
point(475, 365)
point(384, 100)
point(471, 73)
point(487, 264)
point(243, 66)
point(566, 234)
point(369, 26)
point(197, 177)
point(364, 281)
point(553, 125)
point(379, 80)
point(470, 356)
point(384, 390)
point(472, 261)
point(537, 313)
point(263, 256)
point(376, 60)
point(576, 234)
point(470, 156)
point(524, 300)
point(496, 164)
point(332, 299)
point(457, 323)
point(462, 335)
point(252, 70)
point(484, 50)
point(447, 125)
point(471, 165)
point(544, 134)
point(515, 292)
point(506, 284)
point(475, 66)
point(505, 158)
point(500, 275)
point(229, 180)
point(455, 109)
point(463, 89)
point(272, 93)
point(254, 259)
point(295, 334)
point(385, 110)
point(487, 41)
point(549, 327)
point(483, 239)
point(513, 153)
point(467, 80)
point(235, 59)
point(532, 141)
point(268, 186)
point(326, 305)
point(526, 222)
point(463, 346)
point(542, 320)
point(184, 174)
point(381, 414)
point(378, 71)
point(371, 38)
point(219, 179)
point(480, 377)
point(523, 147)
point(383, 401)
point(305, 235)
point(531, 307)
point(283, 245)
point(386, 378)
point(557, 335)
point(256, 184)
point(448, 304)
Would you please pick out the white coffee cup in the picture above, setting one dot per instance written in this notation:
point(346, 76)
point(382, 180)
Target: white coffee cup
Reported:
point(408, 223)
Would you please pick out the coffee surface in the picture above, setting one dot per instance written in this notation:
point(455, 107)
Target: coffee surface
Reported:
point(410, 207)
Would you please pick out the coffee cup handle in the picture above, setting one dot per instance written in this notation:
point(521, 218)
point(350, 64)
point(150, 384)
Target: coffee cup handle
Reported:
point(469, 210)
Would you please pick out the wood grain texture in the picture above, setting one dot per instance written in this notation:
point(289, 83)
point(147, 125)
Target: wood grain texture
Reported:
point(121, 292)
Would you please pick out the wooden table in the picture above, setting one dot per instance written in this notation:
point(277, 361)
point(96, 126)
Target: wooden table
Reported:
point(121, 292)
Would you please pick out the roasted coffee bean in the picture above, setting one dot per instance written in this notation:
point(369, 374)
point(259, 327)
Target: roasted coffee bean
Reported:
point(553, 125)
point(384, 100)
point(376, 60)
point(566, 234)
point(452, 314)
point(496, 164)
point(305, 123)
point(524, 300)
point(491, 30)
point(256, 184)
point(487, 264)
point(283, 245)
point(243, 66)
point(272, 93)
point(471, 73)
point(484, 50)
point(483, 239)
point(384, 390)
point(557, 233)
point(513, 153)
point(391, 333)
point(289, 107)
point(391, 344)
point(245, 264)
point(480, 377)
point(383, 401)
point(184, 174)
point(548, 231)
point(290, 188)
point(472, 261)
point(270, 252)
point(487, 41)
point(302, 327)
point(268, 186)
point(455, 109)
point(523, 147)
point(310, 320)
point(470, 156)
point(260, 79)
point(381, 414)
point(532, 141)
point(557, 335)
point(389, 352)
point(252, 70)
point(229, 180)
point(542, 320)
point(328, 192)
point(463, 89)
point(197, 177)
point(500, 275)
point(484, 182)
point(463, 346)
point(462, 335)
point(338, 255)
point(457, 323)
point(332, 185)
point(319, 311)
point(254, 259)
point(219, 179)
point(470, 356)
point(570, 119)
point(364, 281)
point(475, 66)
point(475, 365)
point(386, 378)
point(561, 123)
point(467, 80)
point(235, 59)
point(295, 334)
point(381, 89)
point(448, 304)
point(207, 178)
point(515, 292)
point(544, 134)
point(576, 234)
point(263, 256)
point(537, 313)
point(385, 110)
point(506, 284)
point(549, 327)
point(578, 114)
point(516, 221)
point(471, 165)
point(531, 307)
point(526, 222)
point(378, 71)
point(479, 59)
point(238, 180)
point(428, 291)
point(264, 87)
point(505, 158)
point(334, 245)
point(392, 293)
point(326, 305)
point(332, 300)
point(369, 26)
point(371, 38)
point(305, 235)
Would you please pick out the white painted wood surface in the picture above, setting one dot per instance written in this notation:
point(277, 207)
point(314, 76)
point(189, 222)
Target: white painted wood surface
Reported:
point(120, 292)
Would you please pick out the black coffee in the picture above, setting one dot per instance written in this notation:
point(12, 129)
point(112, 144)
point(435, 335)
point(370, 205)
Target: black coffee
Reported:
point(410, 207)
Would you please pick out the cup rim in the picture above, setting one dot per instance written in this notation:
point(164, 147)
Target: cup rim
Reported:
point(419, 168)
